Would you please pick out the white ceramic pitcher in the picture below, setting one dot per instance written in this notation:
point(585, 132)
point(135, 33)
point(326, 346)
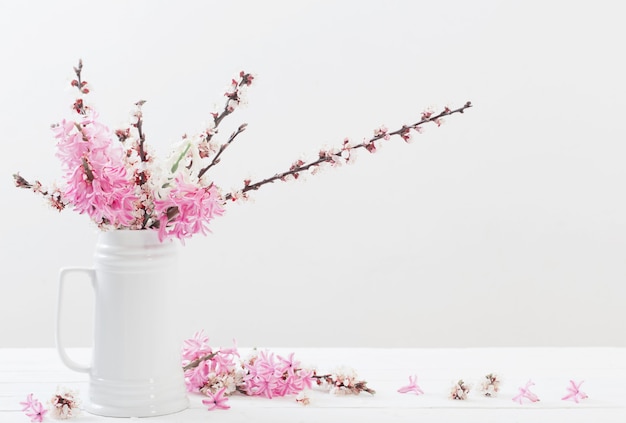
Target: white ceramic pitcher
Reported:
point(136, 364)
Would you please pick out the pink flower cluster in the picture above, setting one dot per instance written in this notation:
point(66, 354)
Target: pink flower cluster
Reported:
point(275, 376)
point(219, 373)
point(208, 371)
point(97, 182)
point(192, 206)
point(113, 178)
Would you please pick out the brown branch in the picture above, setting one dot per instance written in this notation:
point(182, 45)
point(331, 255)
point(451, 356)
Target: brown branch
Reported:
point(295, 170)
point(244, 79)
point(87, 170)
point(142, 136)
point(55, 197)
point(216, 159)
point(79, 105)
point(358, 387)
point(20, 182)
point(197, 361)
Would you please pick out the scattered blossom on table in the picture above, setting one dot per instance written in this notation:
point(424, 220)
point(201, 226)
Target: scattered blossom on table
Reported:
point(412, 387)
point(33, 409)
point(490, 385)
point(525, 393)
point(460, 390)
point(220, 372)
point(574, 393)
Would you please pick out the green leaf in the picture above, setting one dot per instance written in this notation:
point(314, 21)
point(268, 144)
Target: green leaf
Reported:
point(182, 155)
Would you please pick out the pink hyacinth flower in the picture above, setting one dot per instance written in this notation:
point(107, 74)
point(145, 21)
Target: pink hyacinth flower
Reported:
point(411, 387)
point(33, 409)
point(525, 393)
point(217, 400)
point(196, 377)
point(28, 403)
point(98, 183)
point(196, 346)
point(195, 208)
point(275, 376)
point(574, 393)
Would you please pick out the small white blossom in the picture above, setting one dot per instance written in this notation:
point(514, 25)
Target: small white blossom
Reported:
point(490, 385)
point(232, 104)
point(238, 195)
point(242, 95)
point(459, 390)
point(64, 404)
point(303, 398)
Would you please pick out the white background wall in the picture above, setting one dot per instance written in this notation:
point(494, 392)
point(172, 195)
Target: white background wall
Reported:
point(506, 226)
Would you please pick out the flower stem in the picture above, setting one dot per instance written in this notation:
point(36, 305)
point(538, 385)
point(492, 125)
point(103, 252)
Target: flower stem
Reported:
point(197, 361)
point(245, 79)
point(216, 159)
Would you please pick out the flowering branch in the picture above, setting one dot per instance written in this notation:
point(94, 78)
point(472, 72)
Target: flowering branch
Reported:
point(234, 98)
point(120, 185)
point(54, 198)
point(217, 374)
point(81, 85)
point(142, 136)
point(343, 382)
point(216, 159)
point(345, 152)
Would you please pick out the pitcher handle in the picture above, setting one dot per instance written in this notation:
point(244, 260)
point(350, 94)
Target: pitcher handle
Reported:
point(71, 364)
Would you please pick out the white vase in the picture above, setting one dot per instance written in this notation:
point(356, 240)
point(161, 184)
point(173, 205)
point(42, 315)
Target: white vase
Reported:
point(136, 363)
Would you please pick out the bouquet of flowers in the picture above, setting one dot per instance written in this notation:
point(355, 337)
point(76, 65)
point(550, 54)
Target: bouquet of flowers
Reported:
point(113, 176)
point(219, 373)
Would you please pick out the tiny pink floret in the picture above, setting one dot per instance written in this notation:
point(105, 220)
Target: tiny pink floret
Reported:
point(525, 393)
point(34, 409)
point(411, 387)
point(217, 401)
point(574, 393)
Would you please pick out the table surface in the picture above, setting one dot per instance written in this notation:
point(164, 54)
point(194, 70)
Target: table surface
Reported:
point(39, 371)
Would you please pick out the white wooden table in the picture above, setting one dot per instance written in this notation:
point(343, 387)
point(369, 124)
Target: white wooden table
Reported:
point(39, 371)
